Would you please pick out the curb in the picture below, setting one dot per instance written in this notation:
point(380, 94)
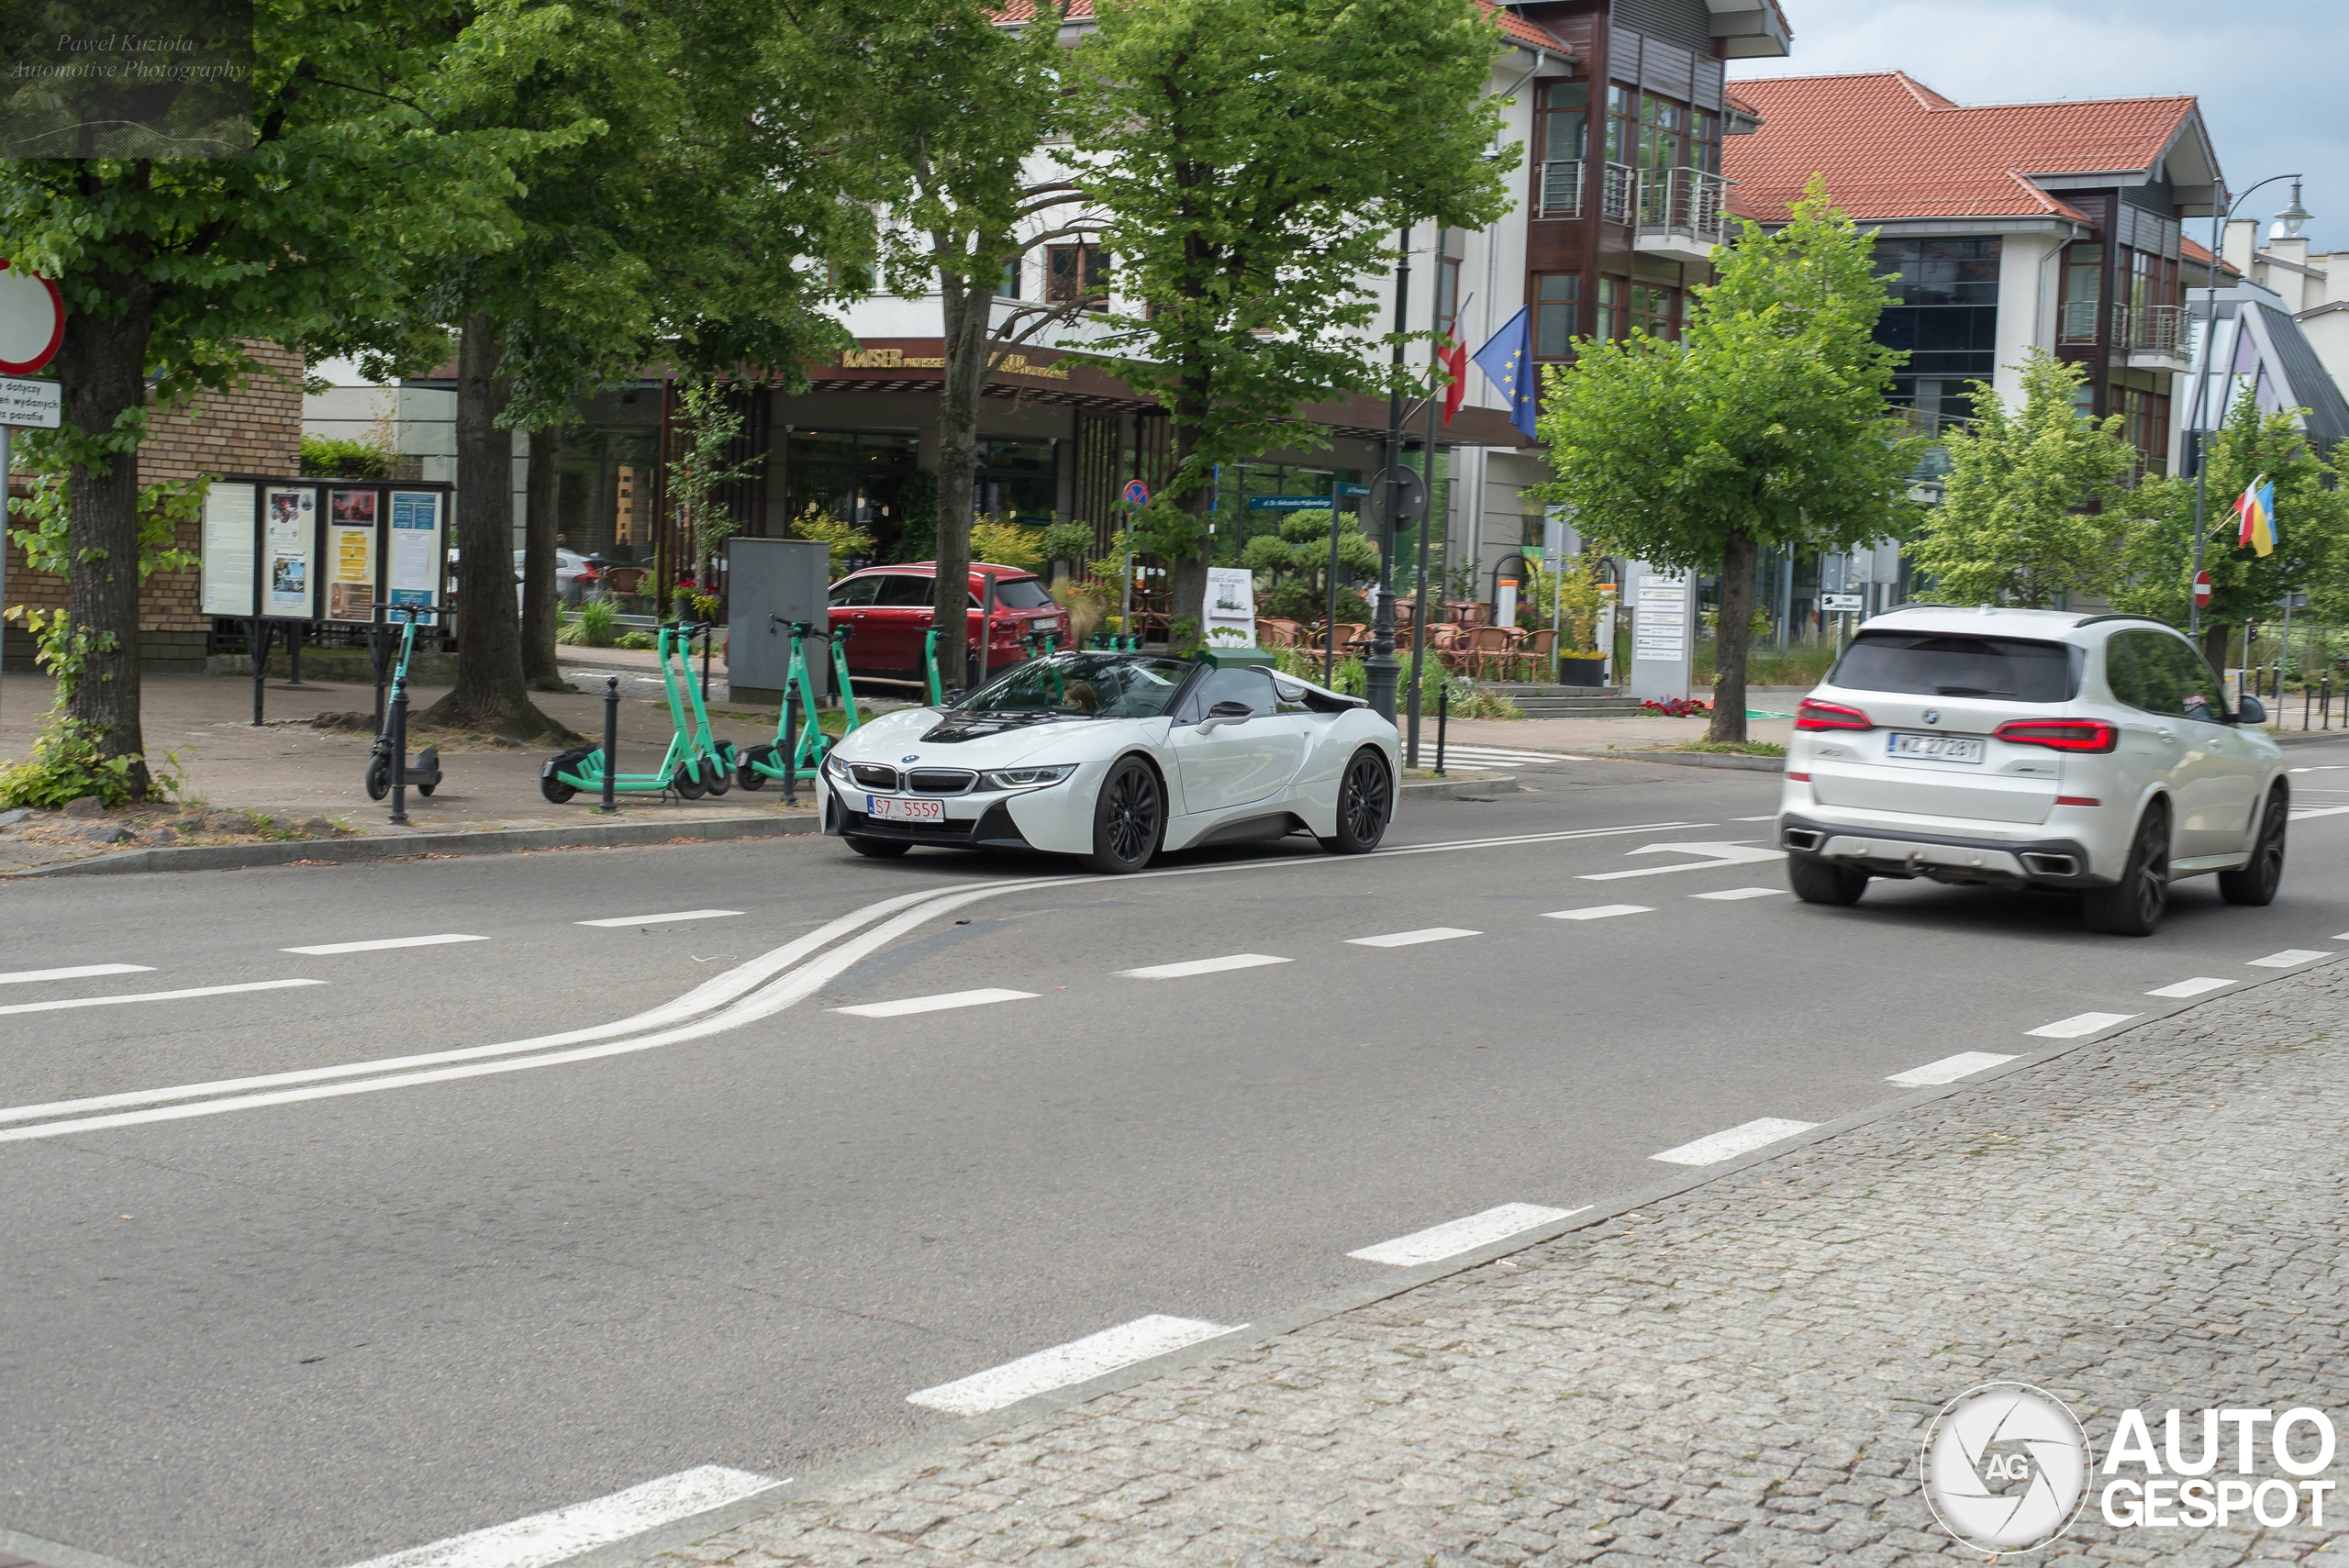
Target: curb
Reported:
point(1452, 788)
point(2309, 737)
point(350, 851)
point(1700, 760)
point(633, 1549)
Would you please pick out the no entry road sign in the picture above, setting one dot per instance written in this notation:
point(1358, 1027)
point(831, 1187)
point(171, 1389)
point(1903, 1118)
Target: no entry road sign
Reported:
point(2201, 590)
point(32, 321)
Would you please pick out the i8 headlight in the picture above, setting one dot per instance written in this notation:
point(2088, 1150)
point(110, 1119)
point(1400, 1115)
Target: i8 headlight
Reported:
point(1025, 778)
point(837, 770)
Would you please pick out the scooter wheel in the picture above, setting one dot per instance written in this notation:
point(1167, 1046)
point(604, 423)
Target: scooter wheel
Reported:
point(747, 776)
point(686, 780)
point(554, 789)
point(426, 788)
point(379, 778)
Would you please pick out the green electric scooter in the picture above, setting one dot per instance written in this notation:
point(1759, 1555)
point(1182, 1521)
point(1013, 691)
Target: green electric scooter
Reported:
point(692, 767)
point(784, 757)
point(423, 771)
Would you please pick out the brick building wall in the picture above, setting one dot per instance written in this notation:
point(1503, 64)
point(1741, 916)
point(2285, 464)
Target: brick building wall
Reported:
point(253, 429)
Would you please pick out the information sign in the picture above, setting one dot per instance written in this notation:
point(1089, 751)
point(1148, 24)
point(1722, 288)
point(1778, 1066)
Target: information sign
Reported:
point(289, 549)
point(227, 579)
point(416, 564)
point(31, 404)
point(351, 555)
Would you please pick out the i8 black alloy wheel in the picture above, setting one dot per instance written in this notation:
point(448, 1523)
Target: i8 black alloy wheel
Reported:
point(1366, 805)
point(1128, 818)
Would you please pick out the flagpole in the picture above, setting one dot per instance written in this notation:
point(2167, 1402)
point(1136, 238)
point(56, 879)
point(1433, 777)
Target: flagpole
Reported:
point(1427, 523)
point(1380, 670)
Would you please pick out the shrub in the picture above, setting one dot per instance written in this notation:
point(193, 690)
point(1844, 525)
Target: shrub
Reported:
point(323, 457)
point(843, 539)
point(592, 625)
point(64, 764)
point(1002, 542)
point(639, 639)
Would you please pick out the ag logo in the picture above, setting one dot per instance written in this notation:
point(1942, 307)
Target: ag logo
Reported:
point(2006, 1467)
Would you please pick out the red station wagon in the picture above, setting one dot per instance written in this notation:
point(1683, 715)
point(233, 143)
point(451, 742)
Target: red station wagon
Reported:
point(885, 612)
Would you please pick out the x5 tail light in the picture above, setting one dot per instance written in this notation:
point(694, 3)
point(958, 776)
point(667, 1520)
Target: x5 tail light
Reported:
point(2060, 734)
point(1815, 715)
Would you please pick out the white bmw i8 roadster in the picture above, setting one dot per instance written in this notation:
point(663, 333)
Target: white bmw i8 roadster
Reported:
point(1115, 757)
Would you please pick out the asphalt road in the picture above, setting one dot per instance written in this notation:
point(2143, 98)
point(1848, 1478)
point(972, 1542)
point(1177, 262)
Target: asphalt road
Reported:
point(309, 1320)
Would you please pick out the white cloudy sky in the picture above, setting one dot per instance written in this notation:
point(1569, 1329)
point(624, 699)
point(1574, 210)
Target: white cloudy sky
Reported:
point(2272, 76)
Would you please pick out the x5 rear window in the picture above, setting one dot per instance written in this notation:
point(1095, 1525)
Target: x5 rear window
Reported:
point(1939, 664)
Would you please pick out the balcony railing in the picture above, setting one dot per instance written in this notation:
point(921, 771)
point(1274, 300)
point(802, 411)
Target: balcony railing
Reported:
point(2153, 330)
point(1620, 192)
point(2077, 323)
point(1686, 202)
point(1561, 188)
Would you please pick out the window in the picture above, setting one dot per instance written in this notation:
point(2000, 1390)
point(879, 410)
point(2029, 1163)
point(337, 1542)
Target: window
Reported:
point(2142, 401)
point(856, 591)
point(902, 590)
point(1016, 479)
point(1555, 304)
point(1112, 686)
point(2158, 672)
point(1704, 140)
point(1654, 308)
point(1021, 594)
point(1077, 274)
point(1622, 124)
point(1252, 687)
point(1008, 288)
point(1609, 315)
point(1563, 138)
point(1664, 132)
point(1927, 664)
point(1447, 293)
point(1943, 314)
point(2083, 291)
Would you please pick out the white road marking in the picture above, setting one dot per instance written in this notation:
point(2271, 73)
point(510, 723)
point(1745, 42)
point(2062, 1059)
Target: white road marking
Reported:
point(1063, 1364)
point(1949, 1069)
point(1727, 895)
point(1745, 1139)
point(1772, 817)
point(2287, 959)
point(937, 1003)
point(1457, 1236)
point(544, 1539)
point(1716, 854)
point(1502, 754)
point(1201, 966)
point(660, 919)
point(1600, 912)
point(2194, 987)
point(79, 972)
point(758, 989)
point(63, 1003)
point(1412, 938)
point(2319, 811)
point(384, 943)
point(2079, 1024)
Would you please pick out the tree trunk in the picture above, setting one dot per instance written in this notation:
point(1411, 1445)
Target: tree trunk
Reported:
point(541, 513)
point(965, 310)
point(490, 695)
point(1730, 643)
point(101, 365)
point(1187, 576)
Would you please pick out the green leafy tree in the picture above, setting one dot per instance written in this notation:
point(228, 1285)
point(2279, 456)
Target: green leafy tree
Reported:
point(1298, 558)
point(2311, 553)
point(2026, 514)
point(1254, 160)
point(167, 267)
point(1766, 426)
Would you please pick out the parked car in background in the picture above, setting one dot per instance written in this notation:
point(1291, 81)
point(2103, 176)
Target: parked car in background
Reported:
point(885, 613)
point(2032, 747)
point(576, 576)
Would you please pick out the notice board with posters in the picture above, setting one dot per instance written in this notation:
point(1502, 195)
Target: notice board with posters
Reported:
point(324, 550)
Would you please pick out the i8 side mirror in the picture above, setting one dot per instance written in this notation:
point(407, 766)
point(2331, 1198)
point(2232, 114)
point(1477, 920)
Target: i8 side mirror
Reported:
point(1226, 713)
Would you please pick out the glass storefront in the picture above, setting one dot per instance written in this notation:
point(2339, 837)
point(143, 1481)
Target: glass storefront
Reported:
point(857, 476)
point(1018, 480)
point(607, 456)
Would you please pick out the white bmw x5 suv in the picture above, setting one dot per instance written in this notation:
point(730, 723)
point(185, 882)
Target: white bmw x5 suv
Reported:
point(2032, 747)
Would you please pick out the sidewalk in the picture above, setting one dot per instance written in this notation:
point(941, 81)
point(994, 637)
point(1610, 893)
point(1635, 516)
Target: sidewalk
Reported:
point(1741, 1374)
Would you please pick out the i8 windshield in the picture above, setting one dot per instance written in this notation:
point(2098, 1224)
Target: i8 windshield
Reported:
point(1083, 686)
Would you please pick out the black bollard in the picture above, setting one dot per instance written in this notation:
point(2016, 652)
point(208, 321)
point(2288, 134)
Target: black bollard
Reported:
point(400, 755)
point(1442, 715)
point(788, 753)
point(611, 739)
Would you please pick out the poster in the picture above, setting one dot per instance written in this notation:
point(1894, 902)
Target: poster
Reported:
point(415, 549)
point(289, 530)
point(351, 555)
point(1231, 607)
point(228, 566)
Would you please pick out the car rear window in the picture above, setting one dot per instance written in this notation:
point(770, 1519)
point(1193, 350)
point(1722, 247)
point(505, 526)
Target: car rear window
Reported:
point(1938, 665)
point(1021, 594)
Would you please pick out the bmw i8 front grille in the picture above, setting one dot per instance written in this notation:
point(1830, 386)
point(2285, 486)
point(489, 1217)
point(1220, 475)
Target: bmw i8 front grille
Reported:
point(874, 775)
point(940, 780)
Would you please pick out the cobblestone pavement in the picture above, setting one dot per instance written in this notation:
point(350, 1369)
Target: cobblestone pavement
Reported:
point(1740, 1375)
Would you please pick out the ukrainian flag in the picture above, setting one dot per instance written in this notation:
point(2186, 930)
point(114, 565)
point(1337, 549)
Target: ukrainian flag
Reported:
point(2257, 510)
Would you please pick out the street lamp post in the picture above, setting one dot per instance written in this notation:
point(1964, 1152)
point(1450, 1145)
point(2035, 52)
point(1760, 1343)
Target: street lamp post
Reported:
point(1380, 670)
point(2219, 217)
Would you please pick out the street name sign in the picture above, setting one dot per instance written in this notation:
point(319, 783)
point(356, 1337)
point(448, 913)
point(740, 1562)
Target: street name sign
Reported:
point(1289, 502)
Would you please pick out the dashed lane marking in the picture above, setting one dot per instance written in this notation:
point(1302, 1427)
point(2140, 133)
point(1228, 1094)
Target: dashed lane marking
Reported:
point(544, 1540)
point(938, 1004)
point(2079, 1024)
point(1727, 895)
point(2194, 987)
point(1501, 754)
point(1772, 817)
point(1743, 1139)
point(2303, 815)
point(1412, 938)
point(2287, 959)
point(383, 944)
point(1600, 912)
point(1949, 1069)
point(63, 1003)
point(78, 972)
point(1201, 966)
point(619, 920)
point(1457, 1236)
point(1065, 1364)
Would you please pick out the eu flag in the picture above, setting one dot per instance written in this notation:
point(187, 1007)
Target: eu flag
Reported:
point(1507, 363)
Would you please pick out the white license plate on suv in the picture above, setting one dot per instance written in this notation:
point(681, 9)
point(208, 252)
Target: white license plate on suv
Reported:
point(904, 810)
point(1938, 748)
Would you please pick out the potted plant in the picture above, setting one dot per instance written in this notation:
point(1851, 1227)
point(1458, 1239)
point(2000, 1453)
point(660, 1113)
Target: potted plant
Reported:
point(1580, 664)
